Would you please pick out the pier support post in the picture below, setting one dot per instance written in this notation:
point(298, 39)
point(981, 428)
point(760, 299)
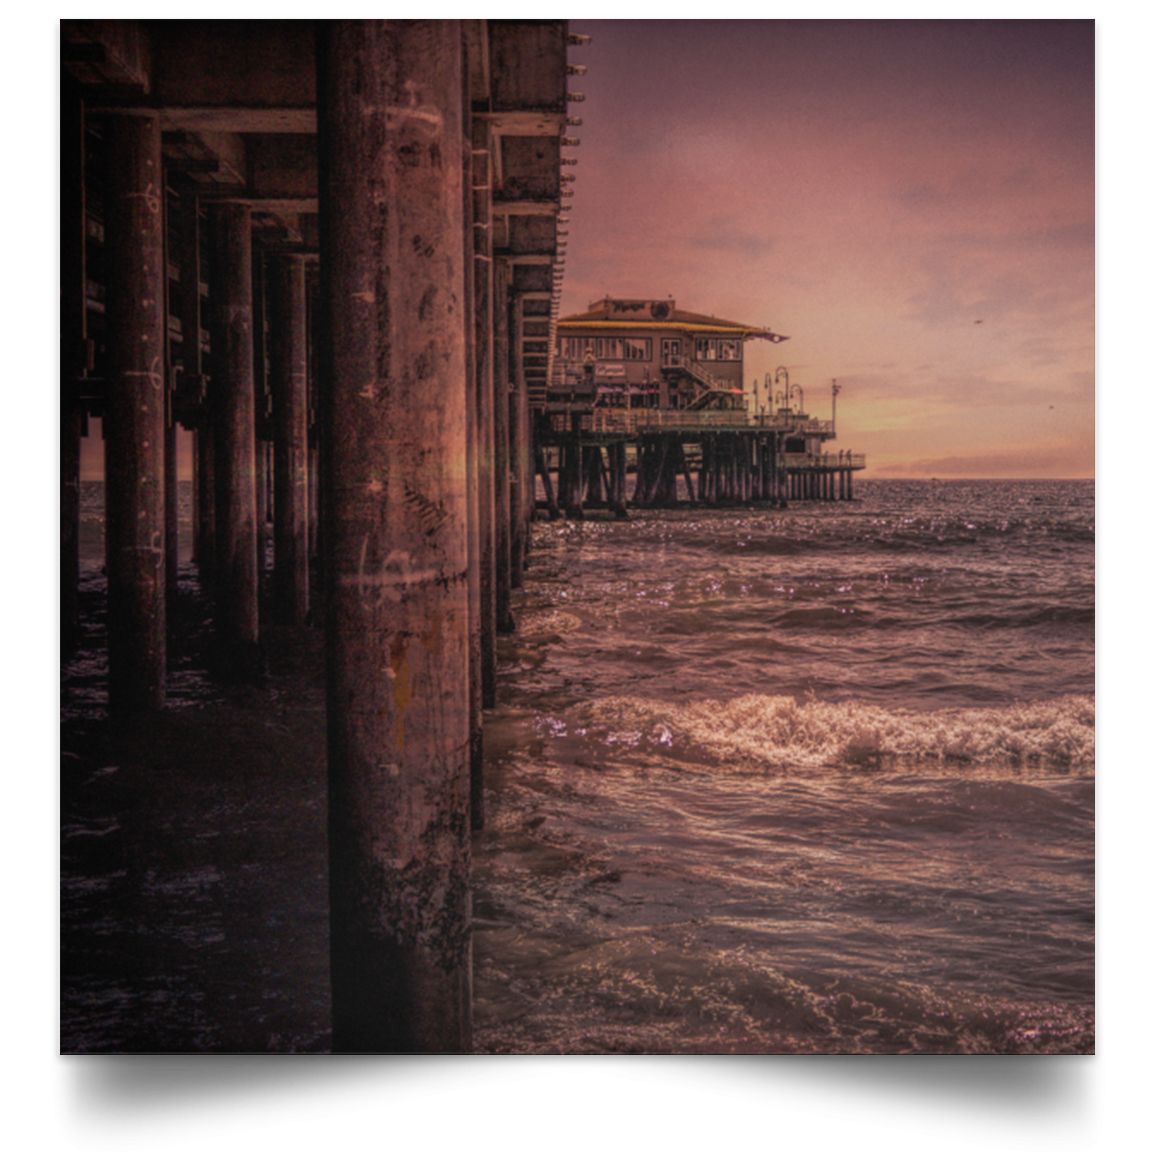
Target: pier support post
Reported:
point(540, 454)
point(575, 462)
point(73, 353)
point(620, 510)
point(287, 372)
point(234, 441)
point(206, 508)
point(482, 257)
point(502, 510)
point(171, 499)
point(396, 534)
point(135, 416)
point(706, 470)
point(520, 460)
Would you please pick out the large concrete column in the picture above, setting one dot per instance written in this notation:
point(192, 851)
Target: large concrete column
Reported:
point(287, 369)
point(503, 512)
point(234, 442)
point(472, 455)
point(394, 411)
point(185, 304)
point(171, 501)
point(73, 352)
point(135, 414)
point(483, 361)
point(206, 503)
point(521, 457)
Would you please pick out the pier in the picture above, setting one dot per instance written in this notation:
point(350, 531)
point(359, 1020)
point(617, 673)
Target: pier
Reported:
point(709, 458)
point(328, 256)
point(644, 386)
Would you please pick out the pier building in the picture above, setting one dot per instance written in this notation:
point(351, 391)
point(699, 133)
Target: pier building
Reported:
point(645, 387)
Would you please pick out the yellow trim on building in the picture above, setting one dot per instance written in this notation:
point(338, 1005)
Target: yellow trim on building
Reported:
point(669, 326)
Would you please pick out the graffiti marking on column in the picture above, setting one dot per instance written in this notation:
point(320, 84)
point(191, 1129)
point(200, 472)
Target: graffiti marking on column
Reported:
point(394, 577)
point(427, 116)
point(150, 197)
point(155, 377)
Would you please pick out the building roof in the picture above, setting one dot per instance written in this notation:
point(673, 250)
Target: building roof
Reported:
point(611, 313)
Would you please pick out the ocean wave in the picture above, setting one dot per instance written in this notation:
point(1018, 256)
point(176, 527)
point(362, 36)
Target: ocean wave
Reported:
point(763, 730)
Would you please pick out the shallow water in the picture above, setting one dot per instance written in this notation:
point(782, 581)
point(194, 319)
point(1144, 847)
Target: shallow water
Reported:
point(808, 780)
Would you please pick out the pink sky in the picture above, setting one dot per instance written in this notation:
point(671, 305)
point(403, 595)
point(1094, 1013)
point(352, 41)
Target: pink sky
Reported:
point(874, 189)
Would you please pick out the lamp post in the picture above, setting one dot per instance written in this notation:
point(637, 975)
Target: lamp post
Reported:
point(801, 400)
point(782, 371)
point(835, 389)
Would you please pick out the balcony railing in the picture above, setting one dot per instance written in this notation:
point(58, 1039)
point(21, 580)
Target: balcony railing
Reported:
point(630, 422)
point(824, 460)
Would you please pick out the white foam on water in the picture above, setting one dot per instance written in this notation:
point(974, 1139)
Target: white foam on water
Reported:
point(767, 730)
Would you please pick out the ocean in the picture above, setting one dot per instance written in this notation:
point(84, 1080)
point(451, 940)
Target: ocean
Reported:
point(804, 780)
point(793, 781)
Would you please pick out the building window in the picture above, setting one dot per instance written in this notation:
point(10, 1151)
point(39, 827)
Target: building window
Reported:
point(607, 348)
point(717, 349)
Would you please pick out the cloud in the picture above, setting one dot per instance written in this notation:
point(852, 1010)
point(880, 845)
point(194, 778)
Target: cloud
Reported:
point(723, 237)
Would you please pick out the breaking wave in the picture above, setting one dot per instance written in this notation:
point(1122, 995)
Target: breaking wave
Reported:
point(760, 730)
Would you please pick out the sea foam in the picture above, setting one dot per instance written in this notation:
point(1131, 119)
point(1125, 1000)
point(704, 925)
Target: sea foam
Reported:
point(762, 730)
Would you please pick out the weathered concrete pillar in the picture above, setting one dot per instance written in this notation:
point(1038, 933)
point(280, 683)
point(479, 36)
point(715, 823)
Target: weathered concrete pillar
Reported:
point(517, 451)
point(186, 305)
point(171, 501)
point(315, 502)
point(501, 451)
point(71, 425)
point(394, 412)
point(575, 459)
point(287, 372)
point(520, 453)
point(484, 376)
point(234, 448)
point(206, 508)
point(135, 418)
point(262, 468)
point(473, 406)
point(73, 352)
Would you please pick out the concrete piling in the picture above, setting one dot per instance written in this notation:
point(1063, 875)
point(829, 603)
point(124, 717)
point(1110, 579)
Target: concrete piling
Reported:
point(482, 245)
point(135, 414)
point(395, 544)
point(503, 553)
point(288, 375)
point(234, 439)
point(73, 350)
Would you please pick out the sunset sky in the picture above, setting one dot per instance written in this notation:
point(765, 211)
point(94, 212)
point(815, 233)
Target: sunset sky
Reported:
point(912, 202)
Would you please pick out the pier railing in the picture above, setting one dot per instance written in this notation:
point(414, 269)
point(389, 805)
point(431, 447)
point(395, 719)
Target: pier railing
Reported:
point(632, 421)
point(645, 420)
point(824, 460)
